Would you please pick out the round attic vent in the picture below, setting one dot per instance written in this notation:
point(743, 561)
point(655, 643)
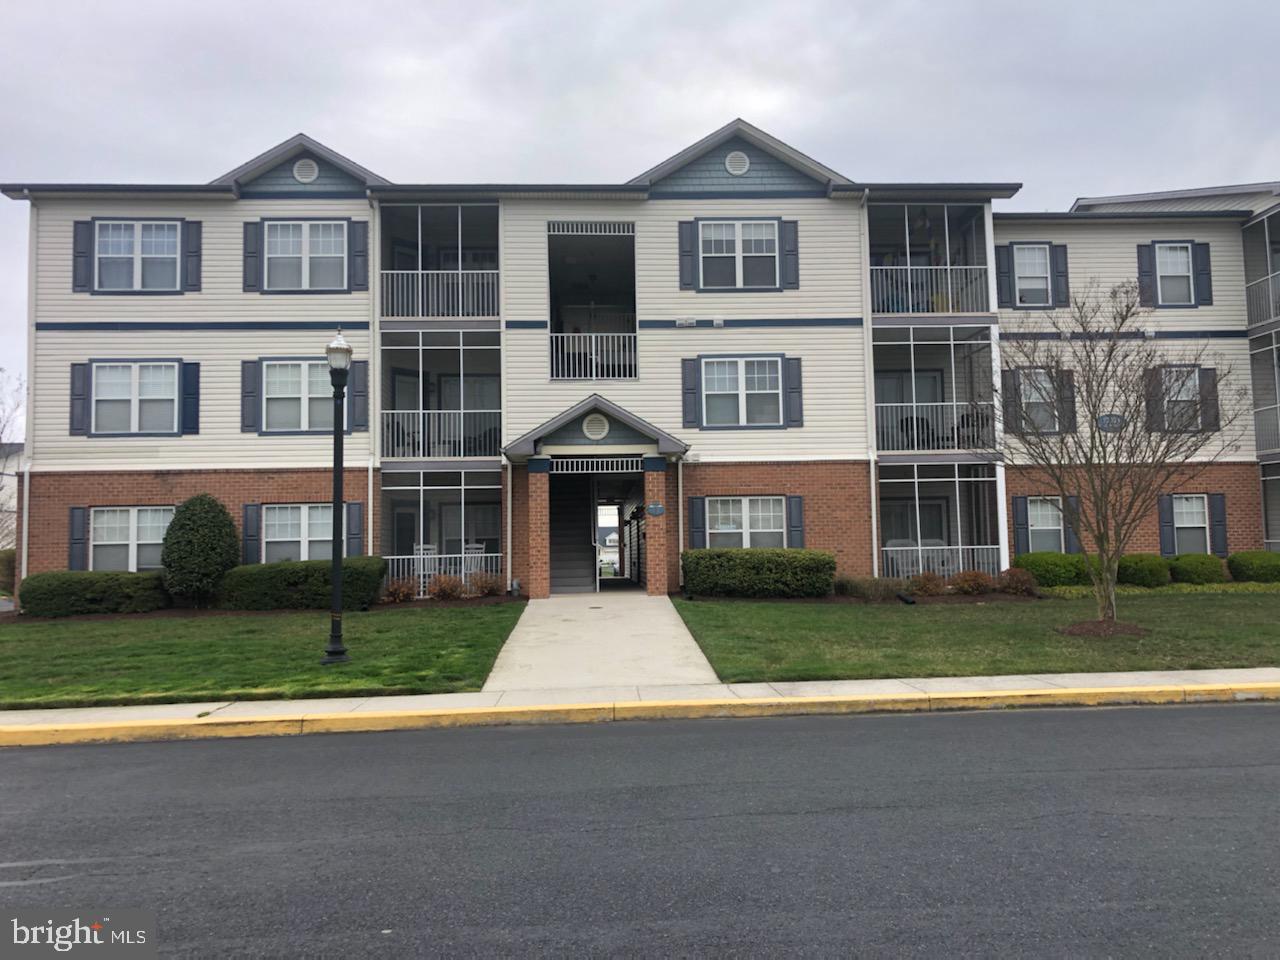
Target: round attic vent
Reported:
point(306, 170)
point(737, 163)
point(595, 426)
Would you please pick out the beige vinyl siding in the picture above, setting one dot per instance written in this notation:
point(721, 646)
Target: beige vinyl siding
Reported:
point(830, 287)
point(1223, 201)
point(1107, 253)
point(833, 374)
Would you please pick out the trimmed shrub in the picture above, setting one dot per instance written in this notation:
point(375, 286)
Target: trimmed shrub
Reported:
point(7, 560)
point(1054, 569)
point(928, 584)
point(200, 546)
point(446, 587)
point(973, 583)
point(1143, 570)
point(1253, 566)
point(1197, 568)
point(302, 585)
point(485, 584)
point(758, 573)
point(871, 589)
point(1173, 589)
point(64, 593)
point(400, 591)
point(1018, 583)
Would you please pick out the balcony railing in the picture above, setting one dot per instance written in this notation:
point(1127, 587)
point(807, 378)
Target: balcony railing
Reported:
point(1263, 299)
point(935, 426)
point(440, 293)
point(432, 434)
point(942, 560)
point(1266, 423)
point(929, 290)
point(426, 566)
point(593, 356)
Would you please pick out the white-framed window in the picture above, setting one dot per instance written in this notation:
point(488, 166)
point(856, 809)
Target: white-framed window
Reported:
point(306, 255)
point(1174, 284)
point(738, 254)
point(297, 395)
point(1181, 398)
point(1039, 399)
point(1044, 523)
point(746, 522)
point(135, 397)
point(1031, 275)
point(136, 255)
point(1191, 523)
point(742, 391)
point(127, 538)
point(297, 531)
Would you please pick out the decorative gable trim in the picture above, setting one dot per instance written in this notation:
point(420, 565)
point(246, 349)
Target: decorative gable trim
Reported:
point(290, 149)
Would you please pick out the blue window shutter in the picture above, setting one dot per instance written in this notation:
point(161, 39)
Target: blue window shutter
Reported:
point(790, 255)
point(1004, 276)
point(192, 243)
point(82, 256)
point(354, 529)
point(1210, 418)
point(795, 521)
point(190, 421)
point(1204, 275)
point(1153, 380)
point(691, 392)
point(358, 255)
point(80, 400)
point(1066, 401)
point(1146, 275)
point(1061, 282)
point(253, 256)
point(1021, 528)
point(1164, 510)
point(688, 255)
point(697, 523)
point(1070, 541)
point(250, 536)
point(358, 395)
point(78, 539)
point(793, 390)
point(1010, 402)
point(250, 389)
point(1218, 524)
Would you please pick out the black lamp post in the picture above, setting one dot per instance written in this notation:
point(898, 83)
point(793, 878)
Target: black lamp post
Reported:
point(338, 353)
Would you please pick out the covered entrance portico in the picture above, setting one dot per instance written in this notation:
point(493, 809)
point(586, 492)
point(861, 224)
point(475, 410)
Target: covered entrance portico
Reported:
point(595, 453)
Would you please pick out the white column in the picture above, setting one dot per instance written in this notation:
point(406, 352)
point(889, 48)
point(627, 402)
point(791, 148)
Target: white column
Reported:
point(993, 300)
point(1002, 517)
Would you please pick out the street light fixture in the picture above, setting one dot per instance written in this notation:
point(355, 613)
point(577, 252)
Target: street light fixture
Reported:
point(338, 353)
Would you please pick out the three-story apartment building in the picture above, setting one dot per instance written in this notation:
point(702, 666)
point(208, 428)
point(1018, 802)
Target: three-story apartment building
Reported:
point(739, 347)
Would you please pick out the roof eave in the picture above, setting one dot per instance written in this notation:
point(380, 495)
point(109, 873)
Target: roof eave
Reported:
point(31, 191)
point(1087, 215)
point(931, 190)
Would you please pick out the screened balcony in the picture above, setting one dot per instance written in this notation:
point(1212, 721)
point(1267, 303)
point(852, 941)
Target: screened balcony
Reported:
point(441, 394)
point(1262, 269)
point(592, 283)
point(439, 260)
point(928, 258)
point(934, 388)
point(938, 517)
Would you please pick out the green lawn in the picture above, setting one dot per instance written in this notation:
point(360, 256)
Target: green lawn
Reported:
point(251, 657)
point(750, 640)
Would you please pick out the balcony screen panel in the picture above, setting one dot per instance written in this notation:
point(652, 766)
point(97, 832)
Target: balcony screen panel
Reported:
point(442, 520)
point(886, 227)
point(480, 238)
point(967, 233)
point(439, 237)
point(1257, 258)
point(927, 224)
point(1263, 364)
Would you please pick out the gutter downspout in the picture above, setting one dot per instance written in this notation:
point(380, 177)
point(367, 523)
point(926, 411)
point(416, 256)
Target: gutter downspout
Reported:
point(680, 516)
point(510, 498)
point(868, 382)
point(28, 444)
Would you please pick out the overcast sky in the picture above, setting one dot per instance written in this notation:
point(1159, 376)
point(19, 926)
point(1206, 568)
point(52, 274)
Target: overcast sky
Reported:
point(1081, 99)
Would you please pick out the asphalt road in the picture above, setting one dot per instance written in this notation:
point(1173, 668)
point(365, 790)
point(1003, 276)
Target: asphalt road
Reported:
point(1124, 832)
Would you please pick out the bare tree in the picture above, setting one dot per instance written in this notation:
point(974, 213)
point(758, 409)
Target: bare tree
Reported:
point(11, 423)
point(1109, 418)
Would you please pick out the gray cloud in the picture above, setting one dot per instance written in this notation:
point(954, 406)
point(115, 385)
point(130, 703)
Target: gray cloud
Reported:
point(1095, 98)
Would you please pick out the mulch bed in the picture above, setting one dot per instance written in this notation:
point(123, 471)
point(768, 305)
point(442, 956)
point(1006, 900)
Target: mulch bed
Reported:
point(1102, 628)
point(834, 598)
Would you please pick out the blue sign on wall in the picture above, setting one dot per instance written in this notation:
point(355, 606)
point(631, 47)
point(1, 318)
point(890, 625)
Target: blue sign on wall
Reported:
point(655, 509)
point(1111, 422)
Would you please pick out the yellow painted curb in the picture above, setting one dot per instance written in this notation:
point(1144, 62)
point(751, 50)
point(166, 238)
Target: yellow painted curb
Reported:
point(15, 735)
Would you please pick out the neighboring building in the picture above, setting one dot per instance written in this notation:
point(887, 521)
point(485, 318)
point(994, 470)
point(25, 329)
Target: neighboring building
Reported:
point(10, 457)
point(740, 346)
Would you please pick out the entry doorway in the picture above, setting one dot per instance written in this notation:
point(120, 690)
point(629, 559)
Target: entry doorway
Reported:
point(590, 548)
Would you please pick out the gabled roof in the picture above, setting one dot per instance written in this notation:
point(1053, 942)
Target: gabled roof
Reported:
point(298, 143)
point(753, 135)
point(1267, 186)
point(1123, 215)
point(527, 446)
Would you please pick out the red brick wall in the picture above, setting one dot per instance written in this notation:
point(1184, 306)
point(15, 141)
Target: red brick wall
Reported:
point(658, 531)
point(1241, 482)
point(537, 545)
point(54, 494)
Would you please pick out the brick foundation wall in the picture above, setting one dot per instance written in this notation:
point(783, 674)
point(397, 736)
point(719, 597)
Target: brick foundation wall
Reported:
point(537, 538)
point(1240, 482)
point(54, 494)
point(659, 531)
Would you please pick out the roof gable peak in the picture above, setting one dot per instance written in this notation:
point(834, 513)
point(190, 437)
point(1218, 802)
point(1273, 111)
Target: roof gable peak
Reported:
point(287, 149)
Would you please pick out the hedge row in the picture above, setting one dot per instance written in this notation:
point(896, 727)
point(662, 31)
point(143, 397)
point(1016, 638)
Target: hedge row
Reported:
point(1149, 570)
point(758, 573)
point(259, 586)
point(1076, 592)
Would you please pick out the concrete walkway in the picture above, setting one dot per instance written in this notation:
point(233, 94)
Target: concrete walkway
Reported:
point(599, 642)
